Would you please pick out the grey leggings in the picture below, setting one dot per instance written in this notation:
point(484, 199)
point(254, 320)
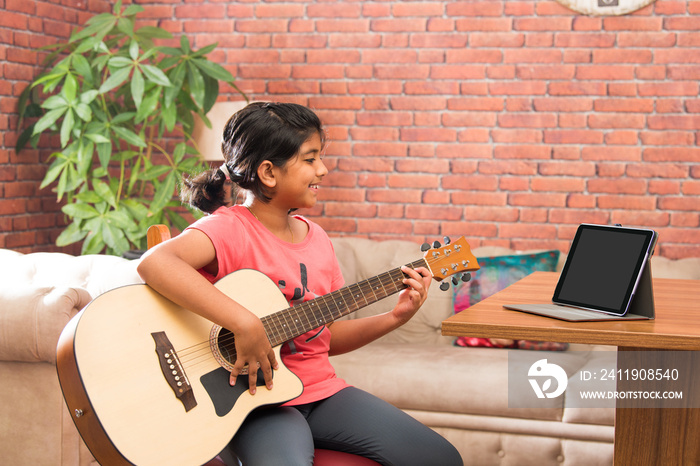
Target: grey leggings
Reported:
point(352, 421)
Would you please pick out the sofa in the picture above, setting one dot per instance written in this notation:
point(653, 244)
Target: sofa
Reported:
point(459, 392)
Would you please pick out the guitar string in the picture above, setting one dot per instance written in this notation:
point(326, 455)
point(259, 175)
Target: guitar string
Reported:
point(189, 355)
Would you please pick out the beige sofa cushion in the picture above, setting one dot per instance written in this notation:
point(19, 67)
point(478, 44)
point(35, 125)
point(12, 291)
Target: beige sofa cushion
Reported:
point(363, 258)
point(40, 292)
point(32, 320)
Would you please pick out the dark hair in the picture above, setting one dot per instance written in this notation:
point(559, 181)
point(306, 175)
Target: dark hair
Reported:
point(258, 132)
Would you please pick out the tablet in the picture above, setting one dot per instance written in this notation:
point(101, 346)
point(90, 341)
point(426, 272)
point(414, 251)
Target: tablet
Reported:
point(602, 272)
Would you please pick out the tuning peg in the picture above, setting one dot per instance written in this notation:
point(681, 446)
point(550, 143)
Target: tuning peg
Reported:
point(466, 277)
point(455, 280)
point(447, 240)
point(424, 247)
point(444, 286)
point(436, 244)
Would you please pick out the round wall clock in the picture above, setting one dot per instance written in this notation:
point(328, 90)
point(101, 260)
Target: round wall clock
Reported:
point(605, 7)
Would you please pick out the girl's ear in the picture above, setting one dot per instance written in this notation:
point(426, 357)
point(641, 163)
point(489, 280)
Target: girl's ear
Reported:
point(266, 174)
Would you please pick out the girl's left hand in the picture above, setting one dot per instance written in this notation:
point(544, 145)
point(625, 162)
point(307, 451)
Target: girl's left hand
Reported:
point(413, 297)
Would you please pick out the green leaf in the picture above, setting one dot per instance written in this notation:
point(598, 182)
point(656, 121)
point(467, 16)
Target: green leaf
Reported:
point(177, 78)
point(212, 69)
point(97, 138)
point(163, 194)
point(205, 50)
point(70, 87)
point(82, 66)
point(169, 116)
point(152, 32)
point(82, 211)
point(129, 136)
point(155, 75)
point(88, 197)
point(154, 172)
point(137, 87)
point(88, 43)
point(48, 120)
point(133, 10)
point(171, 51)
point(116, 79)
point(84, 112)
point(54, 170)
point(148, 106)
point(103, 190)
point(196, 82)
point(126, 25)
point(104, 154)
point(54, 102)
point(137, 210)
point(122, 117)
point(120, 62)
point(121, 218)
point(185, 44)
point(134, 50)
point(24, 138)
point(67, 127)
point(211, 92)
point(88, 96)
point(179, 152)
point(72, 234)
point(93, 243)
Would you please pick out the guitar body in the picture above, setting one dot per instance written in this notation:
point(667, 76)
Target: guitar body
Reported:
point(123, 404)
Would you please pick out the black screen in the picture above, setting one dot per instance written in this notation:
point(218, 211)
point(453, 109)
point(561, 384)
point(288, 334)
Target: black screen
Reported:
point(603, 267)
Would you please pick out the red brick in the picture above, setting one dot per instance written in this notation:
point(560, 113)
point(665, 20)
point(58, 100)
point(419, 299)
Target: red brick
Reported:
point(679, 88)
point(573, 137)
point(672, 154)
point(577, 216)
point(325, 10)
point(664, 187)
point(616, 120)
point(633, 23)
point(586, 40)
point(627, 202)
point(611, 153)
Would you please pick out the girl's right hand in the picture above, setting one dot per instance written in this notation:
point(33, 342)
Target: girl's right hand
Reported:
point(253, 350)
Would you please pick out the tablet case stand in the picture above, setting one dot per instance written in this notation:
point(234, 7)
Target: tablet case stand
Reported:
point(642, 304)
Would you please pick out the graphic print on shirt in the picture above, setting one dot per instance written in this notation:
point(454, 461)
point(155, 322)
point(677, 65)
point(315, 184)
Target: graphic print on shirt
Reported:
point(298, 297)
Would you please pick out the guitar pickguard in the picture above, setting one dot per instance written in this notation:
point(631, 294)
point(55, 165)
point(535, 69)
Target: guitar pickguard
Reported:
point(221, 393)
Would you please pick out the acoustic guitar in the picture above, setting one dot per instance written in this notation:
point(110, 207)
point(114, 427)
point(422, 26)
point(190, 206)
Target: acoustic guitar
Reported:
point(147, 381)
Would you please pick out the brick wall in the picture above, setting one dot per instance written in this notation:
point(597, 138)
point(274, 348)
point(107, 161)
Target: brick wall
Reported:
point(30, 218)
point(509, 122)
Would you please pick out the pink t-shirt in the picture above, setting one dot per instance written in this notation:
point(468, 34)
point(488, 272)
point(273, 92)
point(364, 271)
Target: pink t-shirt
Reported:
point(302, 271)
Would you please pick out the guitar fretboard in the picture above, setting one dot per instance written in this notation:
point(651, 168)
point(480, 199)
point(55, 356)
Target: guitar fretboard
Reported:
point(289, 323)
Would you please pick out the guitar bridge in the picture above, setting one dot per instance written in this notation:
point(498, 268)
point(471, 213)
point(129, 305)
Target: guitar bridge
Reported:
point(173, 371)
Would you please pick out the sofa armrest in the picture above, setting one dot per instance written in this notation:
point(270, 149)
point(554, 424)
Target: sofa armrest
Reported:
point(32, 318)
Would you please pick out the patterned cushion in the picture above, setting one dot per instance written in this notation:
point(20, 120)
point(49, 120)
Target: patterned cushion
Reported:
point(497, 273)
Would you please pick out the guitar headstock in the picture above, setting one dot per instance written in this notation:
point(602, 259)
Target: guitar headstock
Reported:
point(452, 259)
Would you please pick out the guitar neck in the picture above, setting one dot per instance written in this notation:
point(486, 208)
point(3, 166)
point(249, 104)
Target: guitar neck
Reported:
point(289, 323)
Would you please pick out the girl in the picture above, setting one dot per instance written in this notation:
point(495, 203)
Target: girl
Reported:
point(274, 153)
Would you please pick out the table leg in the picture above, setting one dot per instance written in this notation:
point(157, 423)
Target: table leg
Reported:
point(652, 436)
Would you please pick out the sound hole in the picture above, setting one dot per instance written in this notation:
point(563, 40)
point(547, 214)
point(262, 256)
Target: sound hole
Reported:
point(226, 343)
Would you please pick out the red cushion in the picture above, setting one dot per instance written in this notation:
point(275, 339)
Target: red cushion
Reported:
point(338, 458)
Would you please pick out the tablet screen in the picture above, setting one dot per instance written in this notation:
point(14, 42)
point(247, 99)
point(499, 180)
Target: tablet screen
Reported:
point(603, 267)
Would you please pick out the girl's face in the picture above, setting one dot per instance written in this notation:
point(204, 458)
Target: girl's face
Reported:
point(298, 181)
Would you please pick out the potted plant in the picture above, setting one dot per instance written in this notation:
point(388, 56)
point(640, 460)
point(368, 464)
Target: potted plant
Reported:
point(117, 103)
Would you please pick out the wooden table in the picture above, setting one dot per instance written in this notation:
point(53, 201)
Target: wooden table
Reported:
point(643, 436)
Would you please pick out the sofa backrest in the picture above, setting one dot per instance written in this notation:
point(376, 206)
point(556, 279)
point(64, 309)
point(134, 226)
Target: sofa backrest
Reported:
point(361, 258)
